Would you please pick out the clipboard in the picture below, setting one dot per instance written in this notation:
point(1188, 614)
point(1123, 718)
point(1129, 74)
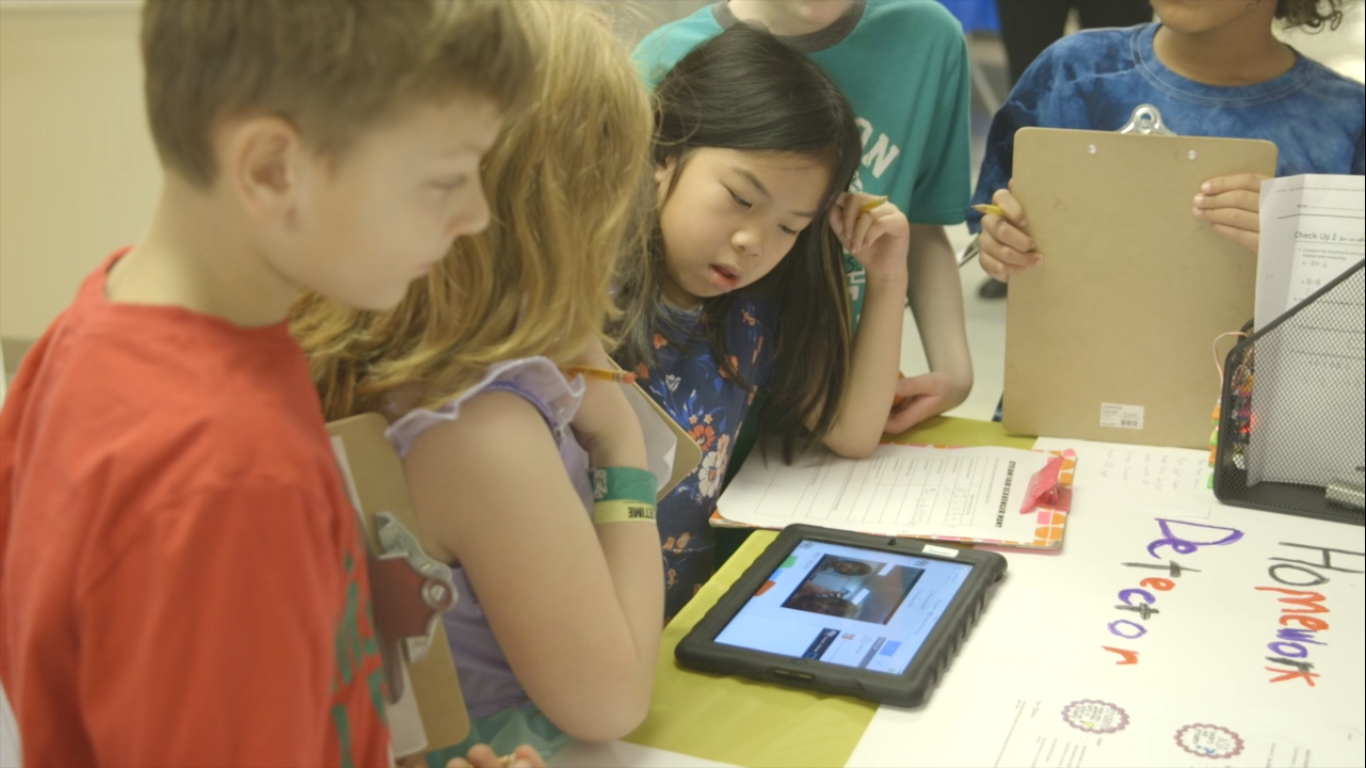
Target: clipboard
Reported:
point(431, 713)
point(1109, 339)
point(672, 453)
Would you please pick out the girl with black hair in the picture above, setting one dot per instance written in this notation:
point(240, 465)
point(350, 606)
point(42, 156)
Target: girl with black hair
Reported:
point(742, 284)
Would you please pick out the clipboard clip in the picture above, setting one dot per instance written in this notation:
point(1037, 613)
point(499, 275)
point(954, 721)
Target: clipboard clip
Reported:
point(1046, 487)
point(409, 592)
point(1146, 120)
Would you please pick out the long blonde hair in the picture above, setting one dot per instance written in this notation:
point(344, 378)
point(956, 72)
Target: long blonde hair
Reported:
point(566, 183)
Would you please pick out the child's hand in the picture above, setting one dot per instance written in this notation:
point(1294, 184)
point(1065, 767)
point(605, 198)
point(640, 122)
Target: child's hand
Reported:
point(920, 398)
point(879, 238)
point(480, 756)
point(1232, 205)
point(605, 424)
point(1003, 246)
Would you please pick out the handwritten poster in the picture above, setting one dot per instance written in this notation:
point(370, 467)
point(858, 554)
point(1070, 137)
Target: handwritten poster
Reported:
point(1155, 639)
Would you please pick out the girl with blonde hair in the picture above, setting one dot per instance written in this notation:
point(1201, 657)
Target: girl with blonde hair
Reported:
point(557, 630)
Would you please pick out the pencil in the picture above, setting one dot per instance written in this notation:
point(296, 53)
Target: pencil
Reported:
point(871, 204)
point(992, 209)
point(621, 377)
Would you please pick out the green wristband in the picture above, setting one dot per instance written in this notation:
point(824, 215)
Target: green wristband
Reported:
point(622, 484)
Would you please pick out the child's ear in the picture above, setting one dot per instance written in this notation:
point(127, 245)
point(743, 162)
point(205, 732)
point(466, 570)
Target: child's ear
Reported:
point(665, 171)
point(664, 174)
point(261, 163)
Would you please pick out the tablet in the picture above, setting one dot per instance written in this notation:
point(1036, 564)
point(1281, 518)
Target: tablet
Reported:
point(847, 613)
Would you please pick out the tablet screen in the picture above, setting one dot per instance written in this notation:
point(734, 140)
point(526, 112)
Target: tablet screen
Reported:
point(843, 605)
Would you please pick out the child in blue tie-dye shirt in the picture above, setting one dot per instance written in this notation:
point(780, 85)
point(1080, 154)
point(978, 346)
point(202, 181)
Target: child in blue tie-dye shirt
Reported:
point(1213, 68)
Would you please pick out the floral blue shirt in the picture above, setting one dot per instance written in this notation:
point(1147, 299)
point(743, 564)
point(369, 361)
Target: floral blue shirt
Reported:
point(688, 384)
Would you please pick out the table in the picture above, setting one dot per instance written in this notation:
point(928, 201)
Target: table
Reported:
point(746, 722)
point(1200, 667)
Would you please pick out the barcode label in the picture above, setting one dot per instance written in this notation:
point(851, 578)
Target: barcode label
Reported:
point(1119, 416)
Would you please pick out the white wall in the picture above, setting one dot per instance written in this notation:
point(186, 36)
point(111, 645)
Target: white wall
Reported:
point(79, 174)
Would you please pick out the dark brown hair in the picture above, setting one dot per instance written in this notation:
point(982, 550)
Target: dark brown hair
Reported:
point(1313, 14)
point(746, 90)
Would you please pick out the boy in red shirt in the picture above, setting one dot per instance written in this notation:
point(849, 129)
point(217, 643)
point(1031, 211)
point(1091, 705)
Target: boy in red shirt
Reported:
point(182, 581)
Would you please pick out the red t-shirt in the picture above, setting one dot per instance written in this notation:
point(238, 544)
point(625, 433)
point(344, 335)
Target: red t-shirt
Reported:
point(182, 580)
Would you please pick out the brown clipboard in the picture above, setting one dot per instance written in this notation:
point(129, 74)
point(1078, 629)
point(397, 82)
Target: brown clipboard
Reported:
point(687, 455)
point(1111, 337)
point(376, 481)
point(374, 473)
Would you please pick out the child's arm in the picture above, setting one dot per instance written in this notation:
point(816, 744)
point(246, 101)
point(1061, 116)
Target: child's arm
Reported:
point(576, 608)
point(1232, 204)
point(936, 298)
point(879, 239)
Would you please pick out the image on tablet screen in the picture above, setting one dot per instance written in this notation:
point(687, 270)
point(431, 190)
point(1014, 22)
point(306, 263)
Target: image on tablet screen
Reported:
point(854, 589)
point(848, 606)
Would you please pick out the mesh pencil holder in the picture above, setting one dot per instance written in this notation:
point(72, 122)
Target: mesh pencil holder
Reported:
point(1291, 422)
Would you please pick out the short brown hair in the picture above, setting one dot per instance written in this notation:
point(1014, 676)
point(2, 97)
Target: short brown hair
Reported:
point(331, 67)
point(1314, 14)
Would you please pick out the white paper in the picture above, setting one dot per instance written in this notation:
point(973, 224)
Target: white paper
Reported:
point(9, 734)
point(1168, 480)
point(1309, 397)
point(1109, 730)
point(621, 754)
point(1313, 228)
point(1199, 657)
point(959, 493)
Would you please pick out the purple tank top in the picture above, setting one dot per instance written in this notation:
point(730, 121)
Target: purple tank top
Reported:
point(486, 680)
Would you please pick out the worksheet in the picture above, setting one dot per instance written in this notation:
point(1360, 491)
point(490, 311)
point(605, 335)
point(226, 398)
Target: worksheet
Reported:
point(1170, 480)
point(972, 494)
point(1313, 228)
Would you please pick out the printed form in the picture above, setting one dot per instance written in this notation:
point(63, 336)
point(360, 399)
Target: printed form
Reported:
point(947, 493)
point(1313, 229)
point(1308, 399)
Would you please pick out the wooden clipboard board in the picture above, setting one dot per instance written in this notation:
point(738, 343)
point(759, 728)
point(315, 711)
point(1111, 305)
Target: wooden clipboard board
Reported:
point(1111, 337)
point(434, 715)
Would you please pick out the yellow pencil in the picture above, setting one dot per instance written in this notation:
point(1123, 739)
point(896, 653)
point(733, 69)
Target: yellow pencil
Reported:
point(992, 209)
point(621, 377)
point(871, 204)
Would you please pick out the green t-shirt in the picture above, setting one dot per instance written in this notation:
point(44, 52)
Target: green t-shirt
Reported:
point(904, 66)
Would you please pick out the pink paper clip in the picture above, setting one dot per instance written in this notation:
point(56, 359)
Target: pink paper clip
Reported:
point(1043, 486)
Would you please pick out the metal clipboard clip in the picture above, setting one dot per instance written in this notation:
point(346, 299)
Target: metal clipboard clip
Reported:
point(1146, 120)
point(410, 591)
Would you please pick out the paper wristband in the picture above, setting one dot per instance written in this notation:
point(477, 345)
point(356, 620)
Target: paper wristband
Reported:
point(623, 484)
point(623, 511)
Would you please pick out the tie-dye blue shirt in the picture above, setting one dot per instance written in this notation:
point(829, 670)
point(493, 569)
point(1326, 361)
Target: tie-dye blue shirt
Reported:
point(1093, 80)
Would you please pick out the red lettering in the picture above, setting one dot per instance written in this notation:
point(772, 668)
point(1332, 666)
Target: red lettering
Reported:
point(1310, 600)
point(1308, 622)
point(1161, 585)
point(1287, 674)
point(1130, 657)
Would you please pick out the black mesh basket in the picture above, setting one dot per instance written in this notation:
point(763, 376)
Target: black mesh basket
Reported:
point(1290, 421)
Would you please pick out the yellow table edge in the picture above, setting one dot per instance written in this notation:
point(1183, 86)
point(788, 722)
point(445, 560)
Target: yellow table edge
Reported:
point(760, 725)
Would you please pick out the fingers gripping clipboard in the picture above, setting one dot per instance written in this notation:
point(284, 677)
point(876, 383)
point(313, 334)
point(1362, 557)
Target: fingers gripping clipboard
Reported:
point(1109, 338)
